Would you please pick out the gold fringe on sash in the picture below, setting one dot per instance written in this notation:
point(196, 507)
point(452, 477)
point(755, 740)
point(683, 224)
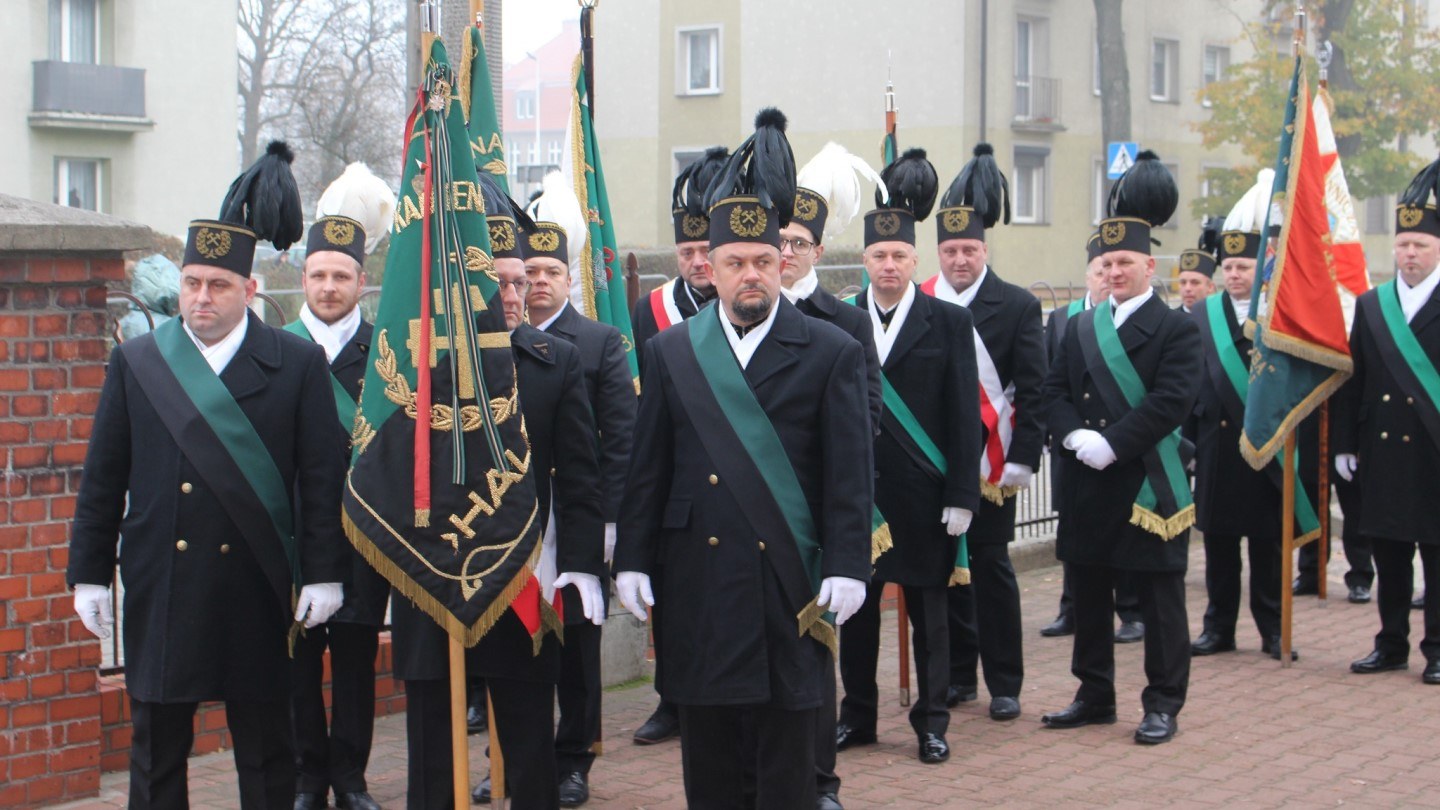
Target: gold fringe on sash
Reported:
point(997, 494)
point(959, 576)
point(1165, 528)
point(880, 542)
point(812, 623)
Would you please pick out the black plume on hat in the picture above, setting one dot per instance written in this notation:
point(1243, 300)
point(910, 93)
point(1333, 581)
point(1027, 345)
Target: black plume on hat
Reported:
point(266, 199)
point(912, 184)
point(1146, 191)
point(694, 181)
point(981, 186)
point(499, 204)
point(1210, 235)
point(1423, 186)
point(763, 166)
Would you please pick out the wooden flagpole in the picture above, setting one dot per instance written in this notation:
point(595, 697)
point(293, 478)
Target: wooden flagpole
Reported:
point(459, 741)
point(1287, 551)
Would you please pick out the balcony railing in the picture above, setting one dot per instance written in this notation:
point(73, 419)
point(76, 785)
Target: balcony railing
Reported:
point(1037, 103)
point(83, 96)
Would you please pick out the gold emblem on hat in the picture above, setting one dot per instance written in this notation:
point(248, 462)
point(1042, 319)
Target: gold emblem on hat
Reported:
point(956, 221)
point(1410, 215)
point(502, 236)
point(212, 243)
point(339, 232)
point(693, 226)
point(545, 241)
point(1189, 261)
point(1112, 233)
point(748, 221)
point(1234, 243)
point(887, 224)
point(806, 207)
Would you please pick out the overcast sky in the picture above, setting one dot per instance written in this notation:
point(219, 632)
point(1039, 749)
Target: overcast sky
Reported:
point(531, 23)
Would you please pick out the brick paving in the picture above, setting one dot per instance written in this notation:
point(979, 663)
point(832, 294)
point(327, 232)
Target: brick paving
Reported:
point(1252, 734)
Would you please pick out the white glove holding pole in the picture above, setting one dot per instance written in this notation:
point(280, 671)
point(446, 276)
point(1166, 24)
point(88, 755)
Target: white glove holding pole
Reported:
point(592, 599)
point(956, 520)
point(1016, 475)
point(92, 602)
point(633, 588)
point(609, 542)
point(1095, 453)
point(320, 601)
point(843, 595)
point(1346, 464)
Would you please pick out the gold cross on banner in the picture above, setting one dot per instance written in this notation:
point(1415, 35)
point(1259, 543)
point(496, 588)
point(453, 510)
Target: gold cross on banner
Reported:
point(488, 340)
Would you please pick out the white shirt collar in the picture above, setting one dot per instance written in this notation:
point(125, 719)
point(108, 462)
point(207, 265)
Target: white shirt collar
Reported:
point(803, 288)
point(1413, 298)
point(561, 311)
point(744, 347)
point(1123, 311)
point(220, 355)
point(332, 337)
point(945, 292)
point(1089, 302)
point(1242, 308)
point(885, 338)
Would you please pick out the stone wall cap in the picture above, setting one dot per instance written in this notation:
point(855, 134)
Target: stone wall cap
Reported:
point(31, 226)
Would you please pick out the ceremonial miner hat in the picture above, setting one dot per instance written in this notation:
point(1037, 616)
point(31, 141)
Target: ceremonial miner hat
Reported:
point(753, 196)
point(1092, 248)
point(1416, 211)
point(829, 192)
point(687, 198)
point(906, 197)
point(1144, 197)
point(547, 240)
point(507, 221)
point(262, 203)
point(353, 214)
point(1240, 235)
point(558, 207)
point(977, 199)
point(1201, 259)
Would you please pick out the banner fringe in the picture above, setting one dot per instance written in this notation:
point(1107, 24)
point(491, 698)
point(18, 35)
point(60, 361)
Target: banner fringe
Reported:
point(812, 623)
point(1166, 528)
point(995, 493)
point(1312, 352)
point(1258, 457)
point(959, 576)
point(880, 542)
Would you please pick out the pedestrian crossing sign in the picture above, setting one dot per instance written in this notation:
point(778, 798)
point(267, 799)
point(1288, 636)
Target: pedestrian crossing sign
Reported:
point(1119, 157)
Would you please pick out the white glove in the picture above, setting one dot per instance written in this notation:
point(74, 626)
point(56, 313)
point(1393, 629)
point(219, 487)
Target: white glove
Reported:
point(592, 599)
point(956, 520)
point(843, 595)
point(633, 588)
point(1016, 475)
point(1076, 439)
point(609, 542)
point(1095, 453)
point(1345, 465)
point(92, 602)
point(320, 600)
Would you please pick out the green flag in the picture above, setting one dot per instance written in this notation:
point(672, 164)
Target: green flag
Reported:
point(477, 95)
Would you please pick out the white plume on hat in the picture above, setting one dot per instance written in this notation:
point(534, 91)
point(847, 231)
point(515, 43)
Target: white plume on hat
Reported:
point(557, 203)
point(358, 194)
point(835, 174)
point(1248, 215)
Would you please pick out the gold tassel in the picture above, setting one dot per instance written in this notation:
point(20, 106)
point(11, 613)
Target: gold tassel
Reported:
point(812, 623)
point(880, 542)
point(997, 494)
point(422, 518)
point(1165, 528)
point(959, 576)
point(462, 80)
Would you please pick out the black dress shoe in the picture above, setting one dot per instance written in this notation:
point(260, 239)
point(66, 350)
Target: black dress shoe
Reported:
point(1064, 625)
point(828, 801)
point(574, 789)
point(310, 801)
point(476, 720)
point(1305, 586)
point(662, 725)
point(481, 793)
point(933, 749)
point(1079, 714)
point(1379, 662)
point(1359, 594)
point(1431, 675)
point(1130, 632)
point(1156, 728)
point(848, 736)
point(959, 693)
point(1210, 643)
point(1004, 708)
point(360, 800)
point(1418, 601)
point(1272, 649)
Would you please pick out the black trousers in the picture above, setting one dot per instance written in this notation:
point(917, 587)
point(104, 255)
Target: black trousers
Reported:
point(1167, 636)
point(985, 623)
point(163, 733)
point(1357, 547)
point(579, 699)
point(1395, 566)
point(1127, 604)
point(825, 721)
point(1222, 583)
point(333, 757)
point(523, 716)
point(930, 644)
point(721, 746)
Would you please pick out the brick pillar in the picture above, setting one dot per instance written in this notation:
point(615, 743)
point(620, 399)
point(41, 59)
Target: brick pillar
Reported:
point(53, 348)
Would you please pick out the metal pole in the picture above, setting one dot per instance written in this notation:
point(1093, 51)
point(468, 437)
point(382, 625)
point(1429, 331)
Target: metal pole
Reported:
point(1287, 552)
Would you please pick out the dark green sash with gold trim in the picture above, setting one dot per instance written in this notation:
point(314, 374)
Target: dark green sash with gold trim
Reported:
point(1164, 505)
point(1397, 342)
point(344, 405)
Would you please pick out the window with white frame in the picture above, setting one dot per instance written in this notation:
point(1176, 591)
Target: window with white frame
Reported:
point(77, 183)
point(1029, 188)
point(698, 61)
point(553, 155)
point(1216, 65)
point(75, 31)
point(524, 104)
point(1164, 70)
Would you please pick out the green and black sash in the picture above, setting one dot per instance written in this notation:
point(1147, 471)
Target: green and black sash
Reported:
point(1164, 505)
point(344, 405)
point(1404, 356)
point(916, 440)
point(219, 441)
point(1230, 376)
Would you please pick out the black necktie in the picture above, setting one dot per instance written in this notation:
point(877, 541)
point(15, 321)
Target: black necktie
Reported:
point(886, 317)
point(742, 331)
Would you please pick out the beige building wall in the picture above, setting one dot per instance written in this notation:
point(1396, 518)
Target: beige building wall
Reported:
point(163, 168)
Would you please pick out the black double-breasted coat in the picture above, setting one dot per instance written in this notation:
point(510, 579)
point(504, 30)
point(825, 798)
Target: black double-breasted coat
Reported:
point(823, 305)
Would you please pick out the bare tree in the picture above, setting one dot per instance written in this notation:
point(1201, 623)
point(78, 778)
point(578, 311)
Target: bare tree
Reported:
point(277, 42)
point(1114, 72)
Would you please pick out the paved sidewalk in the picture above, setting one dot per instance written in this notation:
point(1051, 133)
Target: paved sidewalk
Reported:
point(1251, 735)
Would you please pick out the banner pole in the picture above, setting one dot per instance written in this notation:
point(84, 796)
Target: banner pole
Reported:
point(1287, 552)
point(498, 796)
point(1323, 504)
point(459, 741)
point(902, 620)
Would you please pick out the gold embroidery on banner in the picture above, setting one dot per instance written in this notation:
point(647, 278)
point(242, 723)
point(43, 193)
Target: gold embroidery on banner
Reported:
point(694, 227)
point(1234, 243)
point(339, 232)
point(1112, 233)
point(212, 243)
point(887, 224)
point(956, 221)
point(748, 221)
point(545, 241)
point(442, 417)
point(1409, 216)
point(495, 166)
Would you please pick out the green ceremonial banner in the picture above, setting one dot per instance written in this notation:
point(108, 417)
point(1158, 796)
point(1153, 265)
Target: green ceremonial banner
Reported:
point(477, 95)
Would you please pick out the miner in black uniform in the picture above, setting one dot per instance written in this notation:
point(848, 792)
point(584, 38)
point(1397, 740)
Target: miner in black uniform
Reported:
point(219, 430)
point(750, 484)
point(1124, 380)
point(1388, 429)
point(1010, 360)
point(356, 212)
point(1195, 277)
point(927, 460)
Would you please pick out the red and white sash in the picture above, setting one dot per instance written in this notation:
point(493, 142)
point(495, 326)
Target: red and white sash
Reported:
point(662, 306)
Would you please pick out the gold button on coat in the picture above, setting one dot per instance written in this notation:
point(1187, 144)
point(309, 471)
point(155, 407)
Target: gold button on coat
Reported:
point(1409, 400)
point(186, 488)
point(714, 479)
point(762, 545)
point(1224, 423)
point(714, 541)
point(1102, 423)
point(1384, 435)
point(1404, 438)
point(224, 548)
point(1086, 395)
point(181, 545)
point(1385, 398)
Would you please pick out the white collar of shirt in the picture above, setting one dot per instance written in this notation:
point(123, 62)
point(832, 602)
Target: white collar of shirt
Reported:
point(332, 337)
point(803, 288)
point(964, 297)
point(561, 311)
point(220, 355)
point(1413, 298)
point(885, 338)
point(1242, 308)
point(744, 347)
point(1123, 311)
point(1089, 302)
